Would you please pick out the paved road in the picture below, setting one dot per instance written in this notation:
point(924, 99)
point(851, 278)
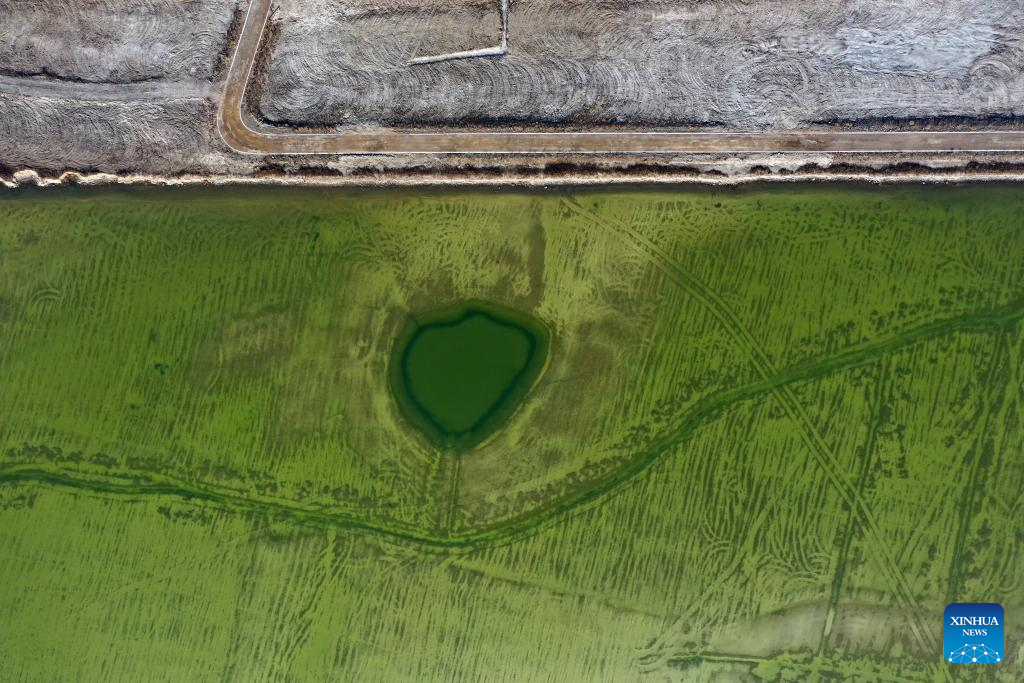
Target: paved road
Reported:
point(244, 134)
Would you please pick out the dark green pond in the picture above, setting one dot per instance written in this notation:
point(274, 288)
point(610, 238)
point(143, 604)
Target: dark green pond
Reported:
point(458, 373)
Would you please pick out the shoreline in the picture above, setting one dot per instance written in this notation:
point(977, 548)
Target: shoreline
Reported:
point(686, 177)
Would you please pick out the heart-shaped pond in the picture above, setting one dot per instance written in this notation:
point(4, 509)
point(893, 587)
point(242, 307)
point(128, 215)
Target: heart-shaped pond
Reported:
point(458, 373)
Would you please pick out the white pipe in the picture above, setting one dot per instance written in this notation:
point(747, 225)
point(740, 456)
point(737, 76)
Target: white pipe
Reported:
point(467, 54)
point(470, 54)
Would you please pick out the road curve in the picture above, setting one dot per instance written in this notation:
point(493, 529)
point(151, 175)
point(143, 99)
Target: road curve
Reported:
point(243, 133)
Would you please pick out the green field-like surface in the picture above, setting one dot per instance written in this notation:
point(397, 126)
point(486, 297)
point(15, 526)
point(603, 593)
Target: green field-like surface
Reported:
point(778, 431)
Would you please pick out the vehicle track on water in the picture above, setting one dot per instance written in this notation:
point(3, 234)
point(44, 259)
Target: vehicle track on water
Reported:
point(796, 411)
point(137, 485)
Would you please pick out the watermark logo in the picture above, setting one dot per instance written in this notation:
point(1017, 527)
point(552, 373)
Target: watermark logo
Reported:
point(973, 633)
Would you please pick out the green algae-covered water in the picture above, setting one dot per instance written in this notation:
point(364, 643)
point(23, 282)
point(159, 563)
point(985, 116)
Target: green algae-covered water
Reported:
point(459, 372)
point(790, 415)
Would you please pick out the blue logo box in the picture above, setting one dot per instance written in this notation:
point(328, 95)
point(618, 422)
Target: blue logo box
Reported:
point(973, 633)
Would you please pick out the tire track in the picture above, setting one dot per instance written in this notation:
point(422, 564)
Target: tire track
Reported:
point(145, 91)
point(850, 528)
point(138, 485)
point(245, 135)
point(812, 438)
point(967, 504)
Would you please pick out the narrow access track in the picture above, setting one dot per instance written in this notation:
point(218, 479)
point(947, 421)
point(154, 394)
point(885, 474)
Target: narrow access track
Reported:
point(144, 91)
point(243, 133)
